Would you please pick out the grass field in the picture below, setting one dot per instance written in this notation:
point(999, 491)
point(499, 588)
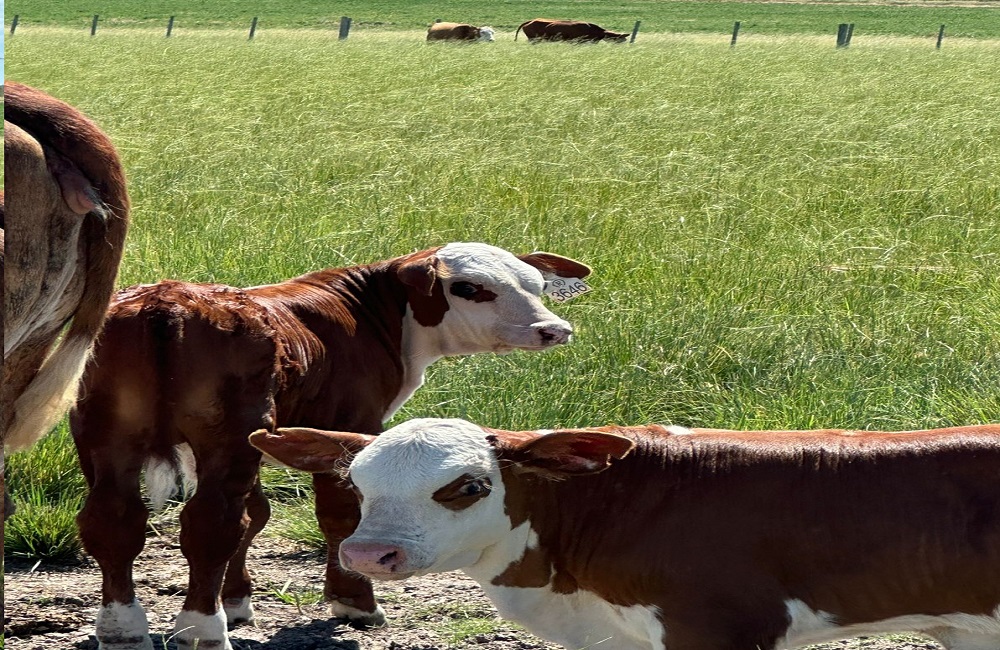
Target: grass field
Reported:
point(978, 18)
point(783, 235)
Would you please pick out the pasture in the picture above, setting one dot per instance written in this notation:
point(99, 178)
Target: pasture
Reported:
point(782, 235)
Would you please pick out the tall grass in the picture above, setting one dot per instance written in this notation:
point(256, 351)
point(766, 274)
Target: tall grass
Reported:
point(783, 235)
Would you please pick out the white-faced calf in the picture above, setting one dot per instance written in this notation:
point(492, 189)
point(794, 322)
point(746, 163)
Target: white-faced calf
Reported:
point(647, 538)
point(185, 372)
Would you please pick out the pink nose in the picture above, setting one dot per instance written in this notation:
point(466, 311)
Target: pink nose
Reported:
point(372, 557)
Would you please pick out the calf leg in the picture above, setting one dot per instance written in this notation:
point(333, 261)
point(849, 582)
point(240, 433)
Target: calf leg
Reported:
point(113, 529)
point(213, 523)
point(350, 595)
point(237, 587)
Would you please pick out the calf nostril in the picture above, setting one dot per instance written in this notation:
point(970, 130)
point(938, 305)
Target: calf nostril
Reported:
point(388, 557)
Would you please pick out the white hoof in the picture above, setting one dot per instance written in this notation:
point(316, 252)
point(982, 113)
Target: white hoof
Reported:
point(355, 615)
point(122, 627)
point(238, 610)
point(197, 631)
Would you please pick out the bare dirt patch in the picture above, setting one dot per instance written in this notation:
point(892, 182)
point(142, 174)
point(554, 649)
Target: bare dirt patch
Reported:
point(52, 607)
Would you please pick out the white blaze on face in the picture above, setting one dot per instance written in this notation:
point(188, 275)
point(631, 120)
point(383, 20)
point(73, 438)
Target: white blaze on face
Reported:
point(494, 303)
point(432, 500)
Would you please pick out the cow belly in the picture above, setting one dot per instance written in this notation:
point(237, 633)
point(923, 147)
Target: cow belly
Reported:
point(956, 631)
point(580, 619)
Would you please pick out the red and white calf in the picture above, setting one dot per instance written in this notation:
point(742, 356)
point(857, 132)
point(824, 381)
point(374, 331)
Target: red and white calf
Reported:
point(184, 373)
point(664, 537)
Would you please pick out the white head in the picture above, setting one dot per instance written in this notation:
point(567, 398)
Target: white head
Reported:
point(433, 497)
point(466, 298)
point(486, 34)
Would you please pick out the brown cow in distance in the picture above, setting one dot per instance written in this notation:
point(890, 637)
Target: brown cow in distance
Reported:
point(67, 212)
point(459, 32)
point(185, 372)
point(546, 29)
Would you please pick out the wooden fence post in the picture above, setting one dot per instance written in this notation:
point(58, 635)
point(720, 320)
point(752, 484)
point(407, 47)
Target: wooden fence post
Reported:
point(170, 26)
point(13, 24)
point(736, 32)
point(345, 27)
point(253, 27)
point(635, 30)
point(93, 25)
point(940, 34)
point(850, 35)
point(842, 35)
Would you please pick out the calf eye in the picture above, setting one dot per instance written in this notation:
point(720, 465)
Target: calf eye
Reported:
point(463, 492)
point(473, 292)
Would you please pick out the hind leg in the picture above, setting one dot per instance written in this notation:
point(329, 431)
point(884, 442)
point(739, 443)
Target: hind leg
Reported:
point(112, 526)
point(237, 587)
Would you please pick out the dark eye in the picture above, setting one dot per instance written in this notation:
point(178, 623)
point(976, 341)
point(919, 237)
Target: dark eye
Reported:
point(475, 488)
point(464, 289)
point(463, 492)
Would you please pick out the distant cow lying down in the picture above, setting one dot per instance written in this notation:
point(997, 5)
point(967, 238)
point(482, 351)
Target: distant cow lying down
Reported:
point(663, 537)
point(545, 29)
point(459, 32)
point(186, 372)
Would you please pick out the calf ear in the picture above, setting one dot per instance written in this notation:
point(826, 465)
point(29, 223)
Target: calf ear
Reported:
point(551, 264)
point(420, 273)
point(310, 450)
point(564, 453)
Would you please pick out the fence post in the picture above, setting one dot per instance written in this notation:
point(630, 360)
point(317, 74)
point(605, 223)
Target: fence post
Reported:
point(850, 35)
point(940, 34)
point(93, 25)
point(170, 26)
point(842, 35)
point(345, 27)
point(736, 32)
point(13, 24)
point(253, 27)
point(635, 30)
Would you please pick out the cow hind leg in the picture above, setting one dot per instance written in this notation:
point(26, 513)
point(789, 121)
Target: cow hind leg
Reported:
point(237, 587)
point(349, 595)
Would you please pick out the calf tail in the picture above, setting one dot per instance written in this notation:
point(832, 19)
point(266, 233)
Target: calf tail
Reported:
point(516, 31)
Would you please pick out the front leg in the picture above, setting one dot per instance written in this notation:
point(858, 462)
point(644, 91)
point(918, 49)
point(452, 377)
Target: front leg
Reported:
point(350, 595)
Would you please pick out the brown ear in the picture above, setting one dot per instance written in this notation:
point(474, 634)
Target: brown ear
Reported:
point(420, 273)
point(570, 452)
point(310, 450)
point(551, 264)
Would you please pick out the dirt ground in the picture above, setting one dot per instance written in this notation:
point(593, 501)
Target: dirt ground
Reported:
point(52, 607)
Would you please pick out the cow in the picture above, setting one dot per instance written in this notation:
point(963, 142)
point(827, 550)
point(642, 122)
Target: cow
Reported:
point(656, 537)
point(184, 373)
point(459, 32)
point(546, 29)
point(69, 212)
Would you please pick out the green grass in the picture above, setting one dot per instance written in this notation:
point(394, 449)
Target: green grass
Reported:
point(922, 18)
point(783, 235)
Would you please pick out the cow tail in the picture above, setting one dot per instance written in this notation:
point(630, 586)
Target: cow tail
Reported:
point(78, 139)
point(516, 31)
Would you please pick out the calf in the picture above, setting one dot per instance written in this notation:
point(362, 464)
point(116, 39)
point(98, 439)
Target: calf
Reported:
point(459, 32)
point(546, 29)
point(663, 537)
point(185, 372)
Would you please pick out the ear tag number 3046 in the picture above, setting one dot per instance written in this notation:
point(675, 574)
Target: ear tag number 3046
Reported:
point(563, 289)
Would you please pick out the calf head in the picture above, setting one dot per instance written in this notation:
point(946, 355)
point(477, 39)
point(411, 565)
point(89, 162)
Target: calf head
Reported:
point(485, 34)
point(467, 298)
point(437, 494)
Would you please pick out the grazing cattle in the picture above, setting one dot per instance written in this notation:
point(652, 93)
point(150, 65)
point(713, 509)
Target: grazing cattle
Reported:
point(545, 29)
point(69, 211)
point(459, 32)
point(185, 372)
point(663, 537)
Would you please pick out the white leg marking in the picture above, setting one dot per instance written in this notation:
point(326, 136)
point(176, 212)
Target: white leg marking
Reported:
point(123, 627)
point(194, 630)
point(238, 610)
point(371, 619)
